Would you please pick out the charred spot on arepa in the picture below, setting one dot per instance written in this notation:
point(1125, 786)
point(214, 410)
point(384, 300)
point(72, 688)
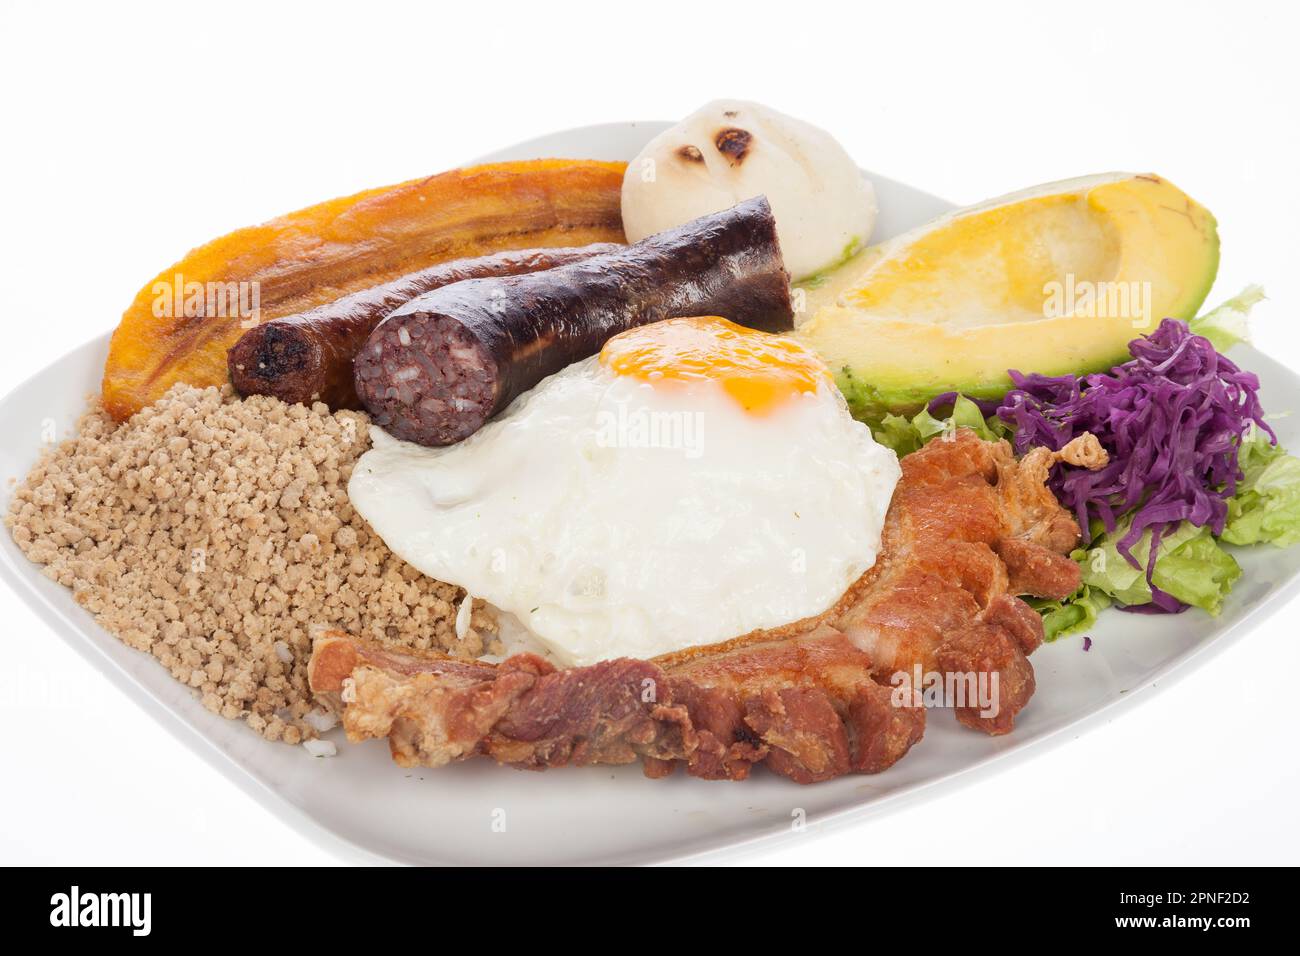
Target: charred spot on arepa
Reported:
point(734, 144)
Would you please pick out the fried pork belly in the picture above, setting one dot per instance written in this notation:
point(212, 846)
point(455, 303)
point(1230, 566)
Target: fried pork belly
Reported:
point(970, 529)
point(804, 706)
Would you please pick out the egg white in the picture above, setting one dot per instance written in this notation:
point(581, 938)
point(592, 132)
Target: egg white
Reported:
point(619, 518)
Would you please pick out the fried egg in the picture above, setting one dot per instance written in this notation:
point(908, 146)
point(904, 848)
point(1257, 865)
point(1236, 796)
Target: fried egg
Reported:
point(695, 481)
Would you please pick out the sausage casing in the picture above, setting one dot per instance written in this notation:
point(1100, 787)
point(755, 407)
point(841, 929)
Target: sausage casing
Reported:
point(441, 365)
point(308, 356)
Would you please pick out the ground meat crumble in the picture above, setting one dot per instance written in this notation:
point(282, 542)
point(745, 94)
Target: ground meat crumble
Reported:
point(216, 534)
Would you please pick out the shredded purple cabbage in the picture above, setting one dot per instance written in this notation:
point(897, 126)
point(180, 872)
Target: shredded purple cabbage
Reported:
point(1172, 420)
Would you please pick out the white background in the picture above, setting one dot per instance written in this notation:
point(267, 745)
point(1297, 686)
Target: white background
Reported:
point(131, 136)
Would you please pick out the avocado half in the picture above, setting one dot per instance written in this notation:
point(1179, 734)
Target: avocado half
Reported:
point(1057, 279)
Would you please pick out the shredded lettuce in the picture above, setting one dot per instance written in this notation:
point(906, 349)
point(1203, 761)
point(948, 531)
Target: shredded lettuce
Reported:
point(906, 435)
point(1075, 615)
point(1190, 566)
point(898, 433)
point(1266, 507)
point(1226, 325)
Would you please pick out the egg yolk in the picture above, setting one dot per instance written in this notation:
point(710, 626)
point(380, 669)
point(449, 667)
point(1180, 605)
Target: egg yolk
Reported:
point(758, 370)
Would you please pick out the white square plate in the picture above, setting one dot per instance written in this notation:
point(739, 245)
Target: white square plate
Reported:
point(362, 805)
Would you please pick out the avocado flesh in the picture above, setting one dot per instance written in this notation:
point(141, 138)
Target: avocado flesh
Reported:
point(1056, 280)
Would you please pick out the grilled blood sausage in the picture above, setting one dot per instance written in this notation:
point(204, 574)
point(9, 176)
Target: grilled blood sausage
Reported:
point(443, 364)
point(308, 357)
